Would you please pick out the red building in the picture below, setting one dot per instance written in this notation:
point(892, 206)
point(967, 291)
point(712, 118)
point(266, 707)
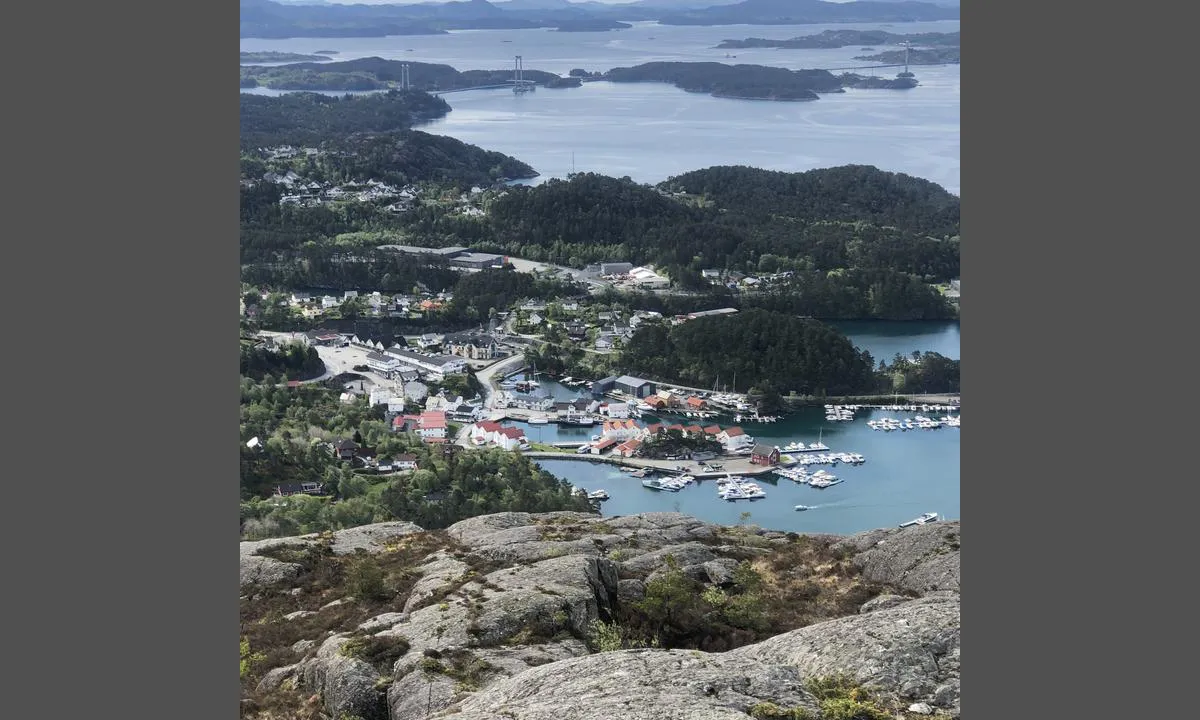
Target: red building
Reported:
point(764, 455)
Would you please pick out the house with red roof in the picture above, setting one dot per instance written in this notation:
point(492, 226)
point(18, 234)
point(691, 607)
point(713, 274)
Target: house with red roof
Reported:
point(693, 430)
point(620, 430)
point(511, 438)
point(695, 403)
point(602, 445)
point(712, 430)
point(628, 448)
point(484, 432)
point(431, 426)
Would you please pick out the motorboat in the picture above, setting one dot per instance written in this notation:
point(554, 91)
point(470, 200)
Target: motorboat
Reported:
point(803, 507)
point(926, 518)
point(598, 495)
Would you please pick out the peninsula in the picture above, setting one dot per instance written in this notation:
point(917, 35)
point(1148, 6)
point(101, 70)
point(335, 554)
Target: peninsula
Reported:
point(374, 73)
point(832, 39)
point(271, 56)
point(915, 56)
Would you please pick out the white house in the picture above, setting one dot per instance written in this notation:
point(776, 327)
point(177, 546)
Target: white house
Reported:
point(487, 432)
point(734, 438)
point(617, 411)
point(396, 404)
point(329, 302)
point(404, 462)
point(432, 426)
point(428, 340)
point(621, 430)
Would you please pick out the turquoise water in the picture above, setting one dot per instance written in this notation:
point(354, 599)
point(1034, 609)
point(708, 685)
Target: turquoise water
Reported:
point(906, 473)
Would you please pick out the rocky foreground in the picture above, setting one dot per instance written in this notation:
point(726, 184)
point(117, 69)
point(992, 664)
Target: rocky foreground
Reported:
point(561, 616)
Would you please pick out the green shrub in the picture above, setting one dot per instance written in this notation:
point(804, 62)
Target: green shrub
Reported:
point(380, 651)
point(771, 711)
point(364, 579)
point(842, 698)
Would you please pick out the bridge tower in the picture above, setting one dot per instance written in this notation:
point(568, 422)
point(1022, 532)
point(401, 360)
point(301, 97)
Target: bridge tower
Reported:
point(906, 73)
point(520, 85)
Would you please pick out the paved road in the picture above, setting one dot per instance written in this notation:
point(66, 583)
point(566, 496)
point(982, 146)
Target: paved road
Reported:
point(486, 375)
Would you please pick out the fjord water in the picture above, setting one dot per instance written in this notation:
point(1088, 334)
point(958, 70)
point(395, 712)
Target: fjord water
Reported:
point(652, 131)
point(906, 473)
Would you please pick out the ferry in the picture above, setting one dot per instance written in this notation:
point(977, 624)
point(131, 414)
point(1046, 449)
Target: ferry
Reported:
point(926, 518)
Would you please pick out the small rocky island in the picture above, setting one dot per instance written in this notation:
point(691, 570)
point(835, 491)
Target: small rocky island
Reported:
point(571, 615)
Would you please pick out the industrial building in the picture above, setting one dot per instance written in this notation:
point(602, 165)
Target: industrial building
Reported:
point(636, 387)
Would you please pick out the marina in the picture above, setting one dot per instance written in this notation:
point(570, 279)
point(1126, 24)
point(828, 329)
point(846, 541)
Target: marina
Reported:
point(870, 479)
point(865, 478)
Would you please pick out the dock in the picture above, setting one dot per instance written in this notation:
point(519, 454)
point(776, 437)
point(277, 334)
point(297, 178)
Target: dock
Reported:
point(738, 466)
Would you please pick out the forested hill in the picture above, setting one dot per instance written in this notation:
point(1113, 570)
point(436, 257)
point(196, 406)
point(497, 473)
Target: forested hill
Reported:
point(739, 81)
point(310, 118)
point(773, 351)
point(380, 73)
point(605, 214)
point(847, 193)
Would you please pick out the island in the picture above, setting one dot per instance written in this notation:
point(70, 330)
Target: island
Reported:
point(592, 25)
point(809, 12)
point(832, 39)
point(916, 56)
point(325, 52)
point(872, 82)
point(748, 82)
point(271, 56)
point(563, 82)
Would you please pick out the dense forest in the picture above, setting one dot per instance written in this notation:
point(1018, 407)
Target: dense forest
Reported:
point(859, 242)
point(381, 74)
point(294, 361)
point(848, 192)
point(311, 118)
point(413, 156)
point(927, 372)
point(770, 351)
point(846, 38)
point(742, 81)
point(477, 296)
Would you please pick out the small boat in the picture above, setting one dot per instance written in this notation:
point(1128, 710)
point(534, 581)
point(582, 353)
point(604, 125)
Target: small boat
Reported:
point(803, 507)
point(539, 420)
point(926, 518)
point(657, 484)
